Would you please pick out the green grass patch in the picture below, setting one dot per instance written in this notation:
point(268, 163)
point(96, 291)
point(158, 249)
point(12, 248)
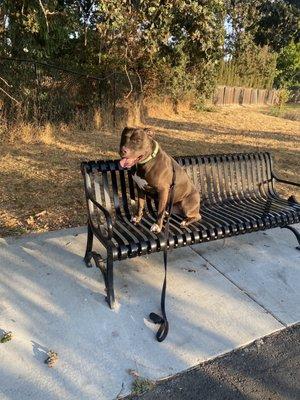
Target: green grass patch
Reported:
point(288, 111)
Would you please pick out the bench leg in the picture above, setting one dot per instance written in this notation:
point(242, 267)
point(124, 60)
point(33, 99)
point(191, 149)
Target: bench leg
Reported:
point(89, 246)
point(107, 272)
point(295, 232)
point(109, 282)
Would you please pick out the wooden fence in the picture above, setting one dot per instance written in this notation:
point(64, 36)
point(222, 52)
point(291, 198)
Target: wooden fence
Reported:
point(238, 95)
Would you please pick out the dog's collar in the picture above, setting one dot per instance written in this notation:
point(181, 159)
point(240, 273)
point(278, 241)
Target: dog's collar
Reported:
point(152, 155)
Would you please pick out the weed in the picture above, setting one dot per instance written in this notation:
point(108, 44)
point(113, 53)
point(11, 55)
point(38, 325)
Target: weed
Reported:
point(141, 385)
point(7, 336)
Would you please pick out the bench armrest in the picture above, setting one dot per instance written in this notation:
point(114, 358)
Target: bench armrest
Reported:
point(285, 181)
point(107, 216)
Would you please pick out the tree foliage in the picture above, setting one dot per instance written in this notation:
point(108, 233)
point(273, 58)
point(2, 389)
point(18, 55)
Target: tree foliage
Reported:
point(254, 67)
point(168, 47)
point(138, 36)
point(279, 23)
point(258, 30)
point(288, 66)
point(264, 22)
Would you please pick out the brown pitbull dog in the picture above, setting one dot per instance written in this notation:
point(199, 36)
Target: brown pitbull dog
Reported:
point(155, 171)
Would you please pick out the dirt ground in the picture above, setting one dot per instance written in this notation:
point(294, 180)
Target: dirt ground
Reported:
point(41, 186)
point(268, 369)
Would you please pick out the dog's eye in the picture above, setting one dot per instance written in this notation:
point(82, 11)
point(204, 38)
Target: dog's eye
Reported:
point(137, 139)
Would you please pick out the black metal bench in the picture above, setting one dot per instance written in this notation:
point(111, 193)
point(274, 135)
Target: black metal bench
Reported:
point(237, 196)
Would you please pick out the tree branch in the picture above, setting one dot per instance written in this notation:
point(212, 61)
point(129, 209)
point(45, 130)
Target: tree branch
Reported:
point(130, 83)
point(128, 77)
point(140, 80)
point(45, 14)
point(7, 94)
point(6, 83)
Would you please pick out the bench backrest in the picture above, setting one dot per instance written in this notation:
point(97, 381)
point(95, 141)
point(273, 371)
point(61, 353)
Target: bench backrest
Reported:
point(218, 178)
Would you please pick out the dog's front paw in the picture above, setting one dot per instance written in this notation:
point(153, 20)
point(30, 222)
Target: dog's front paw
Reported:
point(135, 219)
point(155, 228)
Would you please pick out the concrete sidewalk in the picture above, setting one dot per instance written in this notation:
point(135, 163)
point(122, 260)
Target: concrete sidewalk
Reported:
point(221, 295)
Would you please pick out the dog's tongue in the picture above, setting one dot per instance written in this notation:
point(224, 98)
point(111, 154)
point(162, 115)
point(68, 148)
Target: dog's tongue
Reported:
point(127, 162)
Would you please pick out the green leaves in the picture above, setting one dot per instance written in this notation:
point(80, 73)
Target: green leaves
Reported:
point(288, 66)
point(257, 31)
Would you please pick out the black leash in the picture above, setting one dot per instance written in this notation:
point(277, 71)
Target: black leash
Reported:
point(157, 319)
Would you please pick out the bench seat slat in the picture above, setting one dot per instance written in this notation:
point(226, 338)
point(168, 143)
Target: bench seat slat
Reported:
point(202, 226)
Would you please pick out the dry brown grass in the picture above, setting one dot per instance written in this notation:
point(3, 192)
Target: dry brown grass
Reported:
point(41, 185)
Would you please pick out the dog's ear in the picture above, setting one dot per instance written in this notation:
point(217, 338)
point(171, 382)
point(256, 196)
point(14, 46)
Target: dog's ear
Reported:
point(125, 130)
point(150, 132)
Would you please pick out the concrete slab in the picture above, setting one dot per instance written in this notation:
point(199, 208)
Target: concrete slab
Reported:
point(266, 265)
point(49, 300)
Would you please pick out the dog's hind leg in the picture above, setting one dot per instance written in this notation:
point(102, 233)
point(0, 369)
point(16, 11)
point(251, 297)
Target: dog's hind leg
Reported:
point(190, 206)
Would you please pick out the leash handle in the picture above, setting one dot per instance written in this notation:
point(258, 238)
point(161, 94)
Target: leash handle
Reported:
point(163, 330)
